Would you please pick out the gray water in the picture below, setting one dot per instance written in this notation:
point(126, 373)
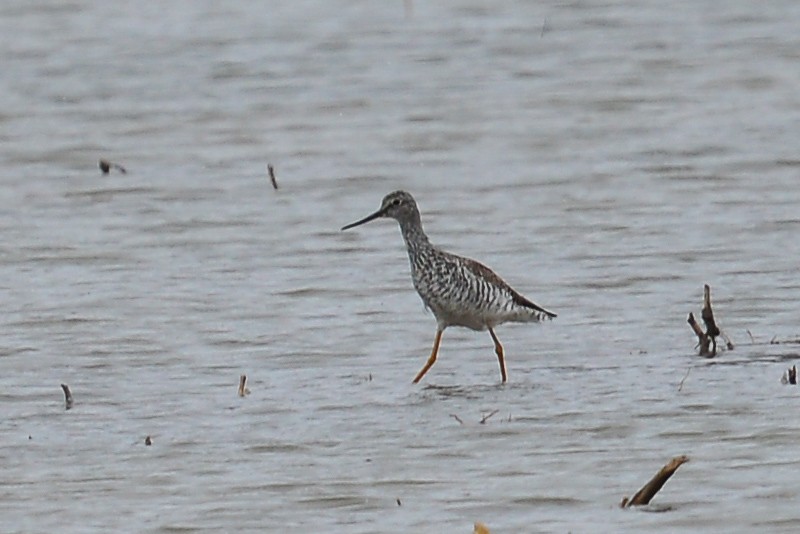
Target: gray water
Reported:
point(606, 159)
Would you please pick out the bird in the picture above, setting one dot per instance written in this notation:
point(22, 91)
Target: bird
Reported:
point(458, 290)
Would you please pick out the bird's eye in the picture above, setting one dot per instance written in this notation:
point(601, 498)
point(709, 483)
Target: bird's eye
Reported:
point(396, 202)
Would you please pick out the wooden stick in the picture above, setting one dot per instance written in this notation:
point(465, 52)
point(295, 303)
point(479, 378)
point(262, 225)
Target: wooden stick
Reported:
point(242, 389)
point(648, 491)
point(457, 418)
point(272, 179)
point(712, 330)
point(67, 396)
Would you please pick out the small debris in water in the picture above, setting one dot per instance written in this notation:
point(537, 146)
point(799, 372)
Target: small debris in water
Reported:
point(67, 396)
point(148, 441)
point(790, 376)
point(242, 389)
point(487, 416)
point(272, 179)
point(106, 166)
point(398, 502)
point(680, 386)
point(457, 418)
point(480, 528)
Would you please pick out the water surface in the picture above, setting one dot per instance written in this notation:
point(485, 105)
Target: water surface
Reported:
point(606, 160)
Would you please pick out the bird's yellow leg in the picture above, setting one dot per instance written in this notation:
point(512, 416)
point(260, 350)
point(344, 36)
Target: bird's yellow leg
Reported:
point(432, 358)
point(498, 349)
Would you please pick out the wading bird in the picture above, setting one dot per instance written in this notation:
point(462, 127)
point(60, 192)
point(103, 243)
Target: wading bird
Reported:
point(459, 291)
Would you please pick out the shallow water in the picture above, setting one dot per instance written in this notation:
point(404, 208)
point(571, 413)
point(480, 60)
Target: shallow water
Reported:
point(606, 160)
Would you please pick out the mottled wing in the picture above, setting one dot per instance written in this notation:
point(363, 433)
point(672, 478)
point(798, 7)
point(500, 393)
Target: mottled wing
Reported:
point(483, 271)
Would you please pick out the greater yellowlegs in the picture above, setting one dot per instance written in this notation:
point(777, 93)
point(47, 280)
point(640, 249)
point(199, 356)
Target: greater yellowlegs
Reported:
point(459, 291)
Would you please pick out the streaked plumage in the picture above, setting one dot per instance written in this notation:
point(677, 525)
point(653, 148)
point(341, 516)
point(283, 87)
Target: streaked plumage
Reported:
point(458, 290)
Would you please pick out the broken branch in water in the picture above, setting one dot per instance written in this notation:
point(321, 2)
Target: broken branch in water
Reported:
point(67, 396)
point(457, 418)
point(703, 339)
point(712, 330)
point(708, 339)
point(648, 491)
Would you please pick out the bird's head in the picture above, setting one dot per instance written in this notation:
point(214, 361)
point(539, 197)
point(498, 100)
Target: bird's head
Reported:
point(398, 205)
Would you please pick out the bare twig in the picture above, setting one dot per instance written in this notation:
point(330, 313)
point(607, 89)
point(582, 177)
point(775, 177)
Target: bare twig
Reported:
point(487, 416)
point(67, 396)
point(457, 418)
point(272, 179)
point(752, 339)
point(680, 386)
point(648, 491)
point(242, 389)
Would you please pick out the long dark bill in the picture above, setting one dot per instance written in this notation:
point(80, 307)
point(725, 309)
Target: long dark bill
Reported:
point(366, 219)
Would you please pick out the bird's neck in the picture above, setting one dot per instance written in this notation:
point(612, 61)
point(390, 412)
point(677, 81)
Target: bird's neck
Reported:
point(414, 235)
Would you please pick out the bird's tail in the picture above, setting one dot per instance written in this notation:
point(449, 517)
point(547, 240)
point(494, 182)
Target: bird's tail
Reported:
point(538, 313)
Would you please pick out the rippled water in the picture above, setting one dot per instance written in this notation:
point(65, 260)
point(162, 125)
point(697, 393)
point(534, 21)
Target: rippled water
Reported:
point(606, 159)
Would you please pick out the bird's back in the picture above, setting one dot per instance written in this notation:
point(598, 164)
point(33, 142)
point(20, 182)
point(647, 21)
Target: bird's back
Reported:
point(463, 292)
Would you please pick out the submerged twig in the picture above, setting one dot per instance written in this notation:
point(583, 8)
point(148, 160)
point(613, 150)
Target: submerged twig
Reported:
point(487, 416)
point(648, 491)
point(272, 179)
point(242, 389)
point(752, 339)
point(67, 396)
point(457, 418)
point(680, 386)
